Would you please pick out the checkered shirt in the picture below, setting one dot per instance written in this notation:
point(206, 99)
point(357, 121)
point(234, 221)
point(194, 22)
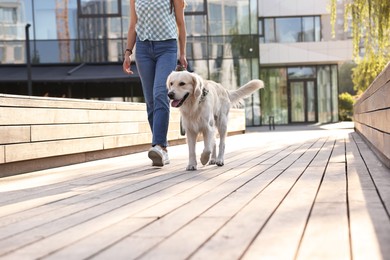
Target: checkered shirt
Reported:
point(154, 20)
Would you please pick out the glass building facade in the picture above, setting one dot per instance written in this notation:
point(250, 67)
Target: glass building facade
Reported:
point(305, 94)
point(223, 39)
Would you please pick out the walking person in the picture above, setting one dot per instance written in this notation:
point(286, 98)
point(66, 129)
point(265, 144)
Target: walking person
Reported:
point(157, 28)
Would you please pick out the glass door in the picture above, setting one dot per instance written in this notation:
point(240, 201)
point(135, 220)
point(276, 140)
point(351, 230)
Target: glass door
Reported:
point(302, 101)
point(297, 102)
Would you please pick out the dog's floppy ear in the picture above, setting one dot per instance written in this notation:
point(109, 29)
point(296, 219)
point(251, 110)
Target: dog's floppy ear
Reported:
point(197, 83)
point(168, 84)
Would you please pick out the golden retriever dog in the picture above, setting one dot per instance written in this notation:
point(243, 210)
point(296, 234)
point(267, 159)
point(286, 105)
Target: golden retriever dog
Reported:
point(204, 105)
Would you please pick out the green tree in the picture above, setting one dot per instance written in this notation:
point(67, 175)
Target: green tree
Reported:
point(345, 78)
point(370, 23)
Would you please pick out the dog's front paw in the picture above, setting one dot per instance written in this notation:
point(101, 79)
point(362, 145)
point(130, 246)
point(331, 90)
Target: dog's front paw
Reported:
point(191, 167)
point(205, 157)
point(220, 163)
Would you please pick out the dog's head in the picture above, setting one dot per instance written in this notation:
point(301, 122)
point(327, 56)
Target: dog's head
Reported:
point(183, 86)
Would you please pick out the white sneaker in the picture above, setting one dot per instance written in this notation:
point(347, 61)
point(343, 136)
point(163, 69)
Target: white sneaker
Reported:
point(158, 156)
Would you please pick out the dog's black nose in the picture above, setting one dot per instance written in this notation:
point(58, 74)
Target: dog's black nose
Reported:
point(171, 95)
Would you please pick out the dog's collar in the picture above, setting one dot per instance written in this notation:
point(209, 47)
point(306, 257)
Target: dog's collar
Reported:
point(204, 94)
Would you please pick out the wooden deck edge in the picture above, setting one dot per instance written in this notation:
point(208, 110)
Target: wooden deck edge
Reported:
point(382, 157)
point(20, 167)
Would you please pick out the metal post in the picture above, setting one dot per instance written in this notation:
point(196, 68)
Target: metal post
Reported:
point(28, 60)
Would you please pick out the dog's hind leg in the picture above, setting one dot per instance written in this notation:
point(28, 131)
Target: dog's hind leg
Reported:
point(222, 130)
point(209, 144)
point(213, 159)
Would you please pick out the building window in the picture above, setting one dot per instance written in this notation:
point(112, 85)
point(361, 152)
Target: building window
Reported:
point(8, 15)
point(18, 53)
point(290, 29)
point(195, 7)
point(99, 8)
point(2, 54)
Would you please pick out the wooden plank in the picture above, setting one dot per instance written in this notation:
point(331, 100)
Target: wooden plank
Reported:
point(285, 228)
point(366, 212)
point(88, 247)
point(379, 205)
point(50, 102)
point(33, 203)
point(2, 154)
point(333, 187)
point(127, 140)
point(338, 152)
point(27, 151)
point(22, 116)
point(190, 237)
point(14, 134)
point(70, 131)
point(323, 157)
point(327, 232)
point(379, 173)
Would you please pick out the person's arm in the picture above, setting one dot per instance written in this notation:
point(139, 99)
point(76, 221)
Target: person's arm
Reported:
point(179, 14)
point(131, 34)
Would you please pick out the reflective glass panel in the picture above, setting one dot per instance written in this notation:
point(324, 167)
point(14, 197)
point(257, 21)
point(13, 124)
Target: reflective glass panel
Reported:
point(297, 101)
point(317, 28)
point(55, 20)
point(196, 25)
point(228, 17)
point(99, 7)
point(335, 105)
point(195, 6)
point(288, 30)
point(269, 30)
point(324, 94)
point(274, 95)
point(311, 101)
point(197, 47)
point(301, 72)
point(308, 29)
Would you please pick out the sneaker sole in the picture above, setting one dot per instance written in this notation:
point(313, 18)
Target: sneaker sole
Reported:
point(156, 159)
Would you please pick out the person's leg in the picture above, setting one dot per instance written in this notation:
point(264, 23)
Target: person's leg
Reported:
point(166, 55)
point(146, 69)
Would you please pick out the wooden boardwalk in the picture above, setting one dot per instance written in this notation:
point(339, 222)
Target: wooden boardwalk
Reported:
point(287, 194)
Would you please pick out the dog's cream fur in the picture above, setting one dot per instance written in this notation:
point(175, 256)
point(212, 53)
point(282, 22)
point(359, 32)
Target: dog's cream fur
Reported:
point(204, 105)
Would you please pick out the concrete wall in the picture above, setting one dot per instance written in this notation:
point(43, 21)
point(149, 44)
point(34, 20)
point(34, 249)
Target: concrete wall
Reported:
point(372, 116)
point(305, 52)
point(38, 133)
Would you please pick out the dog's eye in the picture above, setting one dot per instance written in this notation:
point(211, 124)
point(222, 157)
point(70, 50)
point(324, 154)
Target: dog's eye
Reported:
point(182, 83)
point(171, 83)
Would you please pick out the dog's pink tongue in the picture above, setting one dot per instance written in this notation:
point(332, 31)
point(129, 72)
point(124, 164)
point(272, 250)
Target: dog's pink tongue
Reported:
point(175, 103)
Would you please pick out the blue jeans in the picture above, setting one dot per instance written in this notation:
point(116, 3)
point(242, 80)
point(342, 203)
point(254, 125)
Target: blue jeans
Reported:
point(155, 61)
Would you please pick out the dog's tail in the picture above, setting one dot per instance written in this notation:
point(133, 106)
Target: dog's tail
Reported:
point(236, 96)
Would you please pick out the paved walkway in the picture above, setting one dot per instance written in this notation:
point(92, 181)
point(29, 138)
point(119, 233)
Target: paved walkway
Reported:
point(293, 193)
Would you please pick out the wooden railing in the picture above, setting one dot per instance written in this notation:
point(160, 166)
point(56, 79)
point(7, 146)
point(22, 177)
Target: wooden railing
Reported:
point(39, 133)
point(372, 116)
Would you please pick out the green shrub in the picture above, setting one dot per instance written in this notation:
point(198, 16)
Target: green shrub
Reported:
point(346, 102)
